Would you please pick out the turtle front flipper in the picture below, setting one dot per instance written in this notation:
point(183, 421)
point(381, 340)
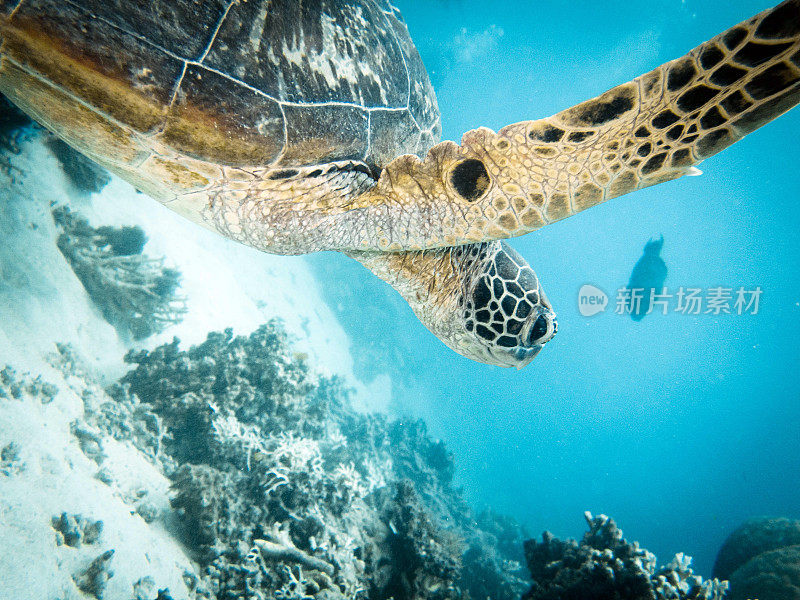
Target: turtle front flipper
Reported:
point(647, 131)
point(660, 125)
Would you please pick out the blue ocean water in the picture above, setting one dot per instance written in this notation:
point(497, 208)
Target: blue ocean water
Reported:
point(679, 426)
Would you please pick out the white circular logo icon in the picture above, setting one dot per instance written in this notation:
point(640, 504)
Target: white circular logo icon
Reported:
point(591, 300)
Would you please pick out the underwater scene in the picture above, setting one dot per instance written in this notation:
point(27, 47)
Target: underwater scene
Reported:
point(266, 334)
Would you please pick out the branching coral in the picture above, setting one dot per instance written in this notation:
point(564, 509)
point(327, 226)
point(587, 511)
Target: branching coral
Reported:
point(604, 566)
point(273, 457)
point(280, 547)
point(283, 491)
point(135, 293)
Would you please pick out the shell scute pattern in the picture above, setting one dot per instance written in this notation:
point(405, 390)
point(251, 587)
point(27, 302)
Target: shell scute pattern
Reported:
point(237, 83)
point(109, 69)
point(206, 116)
point(182, 27)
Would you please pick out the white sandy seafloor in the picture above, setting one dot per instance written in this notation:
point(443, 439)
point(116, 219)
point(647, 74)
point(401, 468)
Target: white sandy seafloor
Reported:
point(42, 303)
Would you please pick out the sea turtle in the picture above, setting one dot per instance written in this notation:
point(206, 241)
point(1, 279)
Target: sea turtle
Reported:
point(299, 126)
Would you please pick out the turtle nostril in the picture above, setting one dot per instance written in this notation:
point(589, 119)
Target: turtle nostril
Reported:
point(539, 329)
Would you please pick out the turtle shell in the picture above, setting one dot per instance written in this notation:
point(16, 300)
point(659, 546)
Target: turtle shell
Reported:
point(242, 83)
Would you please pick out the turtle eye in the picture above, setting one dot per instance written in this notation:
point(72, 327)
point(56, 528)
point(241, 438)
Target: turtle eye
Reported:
point(470, 179)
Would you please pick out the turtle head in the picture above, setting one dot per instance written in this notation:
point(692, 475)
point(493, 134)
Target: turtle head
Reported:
point(483, 300)
point(506, 315)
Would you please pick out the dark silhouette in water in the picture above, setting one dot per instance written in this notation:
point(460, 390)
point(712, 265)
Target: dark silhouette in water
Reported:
point(648, 274)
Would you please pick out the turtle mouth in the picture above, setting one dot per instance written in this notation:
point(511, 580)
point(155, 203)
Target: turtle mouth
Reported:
point(539, 329)
point(510, 357)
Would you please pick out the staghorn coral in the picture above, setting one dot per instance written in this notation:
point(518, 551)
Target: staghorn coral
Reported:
point(136, 294)
point(280, 547)
point(604, 566)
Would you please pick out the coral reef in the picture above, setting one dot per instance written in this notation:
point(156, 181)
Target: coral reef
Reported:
point(279, 489)
point(773, 575)
point(762, 560)
point(753, 537)
point(430, 556)
point(604, 566)
point(86, 175)
point(282, 490)
point(495, 558)
point(135, 293)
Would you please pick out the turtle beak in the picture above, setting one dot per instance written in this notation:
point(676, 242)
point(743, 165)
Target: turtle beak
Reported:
point(526, 355)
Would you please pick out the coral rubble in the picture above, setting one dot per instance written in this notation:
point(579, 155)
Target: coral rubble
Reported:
point(604, 566)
